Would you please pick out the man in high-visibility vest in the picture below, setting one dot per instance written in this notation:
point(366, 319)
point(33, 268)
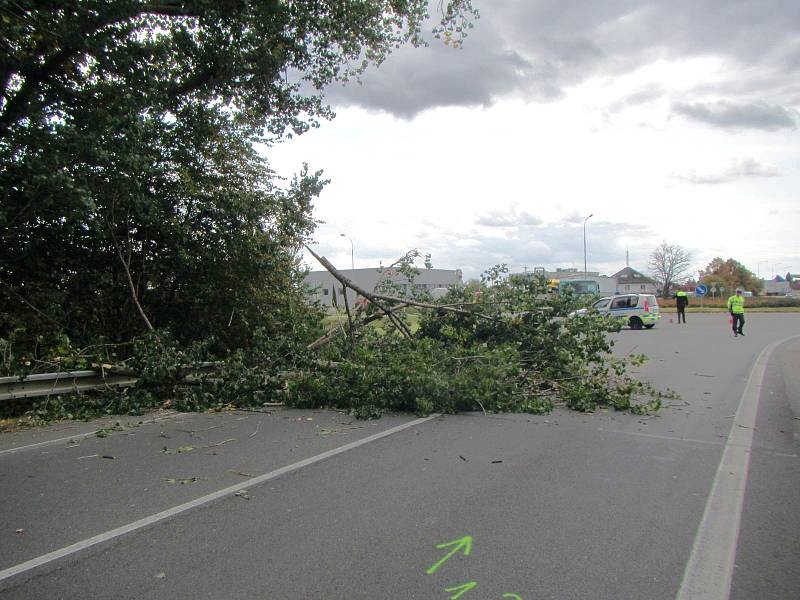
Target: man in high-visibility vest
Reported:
point(681, 302)
point(736, 308)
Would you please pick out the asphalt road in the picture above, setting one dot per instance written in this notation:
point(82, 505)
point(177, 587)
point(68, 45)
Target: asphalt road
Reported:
point(312, 504)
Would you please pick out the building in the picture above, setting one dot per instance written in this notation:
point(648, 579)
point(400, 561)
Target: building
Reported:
point(631, 281)
point(772, 287)
point(324, 285)
point(607, 285)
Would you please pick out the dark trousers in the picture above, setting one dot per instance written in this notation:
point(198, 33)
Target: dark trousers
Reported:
point(737, 318)
point(681, 313)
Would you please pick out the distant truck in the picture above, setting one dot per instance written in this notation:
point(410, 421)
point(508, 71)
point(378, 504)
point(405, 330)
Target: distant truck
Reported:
point(579, 287)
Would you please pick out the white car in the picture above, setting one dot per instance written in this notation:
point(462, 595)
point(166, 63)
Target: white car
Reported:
point(638, 310)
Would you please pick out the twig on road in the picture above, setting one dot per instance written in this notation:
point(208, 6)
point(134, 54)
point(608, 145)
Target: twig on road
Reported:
point(219, 443)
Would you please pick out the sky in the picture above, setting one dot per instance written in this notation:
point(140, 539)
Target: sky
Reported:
point(666, 120)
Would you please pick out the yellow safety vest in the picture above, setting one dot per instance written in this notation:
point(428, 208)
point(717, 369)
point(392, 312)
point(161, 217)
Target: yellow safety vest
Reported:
point(736, 305)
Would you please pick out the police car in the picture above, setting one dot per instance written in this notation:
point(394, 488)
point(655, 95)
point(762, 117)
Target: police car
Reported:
point(637, 310)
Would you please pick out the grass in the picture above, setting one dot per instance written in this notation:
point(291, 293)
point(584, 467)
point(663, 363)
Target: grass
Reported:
point(755, 304)
point(670, 310)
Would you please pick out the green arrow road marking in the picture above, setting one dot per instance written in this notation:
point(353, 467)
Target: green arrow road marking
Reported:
point(512, 596)
point(464, 543)
point(461, 589)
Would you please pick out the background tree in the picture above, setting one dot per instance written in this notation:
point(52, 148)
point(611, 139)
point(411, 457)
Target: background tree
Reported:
point(730, 274)
point(131, 197)
point(669, 264)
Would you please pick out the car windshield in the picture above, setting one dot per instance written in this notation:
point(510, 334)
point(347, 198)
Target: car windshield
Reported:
point(579, 287)
point(602, 303)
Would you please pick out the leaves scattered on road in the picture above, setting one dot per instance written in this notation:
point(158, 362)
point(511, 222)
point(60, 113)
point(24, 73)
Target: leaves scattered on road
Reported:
point(184, 480)
point(179, 450)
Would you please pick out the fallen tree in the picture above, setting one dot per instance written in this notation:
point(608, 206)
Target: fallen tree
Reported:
point(502, 345)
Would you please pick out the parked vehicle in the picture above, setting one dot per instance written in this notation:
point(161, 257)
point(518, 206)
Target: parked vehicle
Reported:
point(637, 310)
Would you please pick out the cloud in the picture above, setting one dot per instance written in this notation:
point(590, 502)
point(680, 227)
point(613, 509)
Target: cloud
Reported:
point(728, 115)
point(744, 168)
point(572, 218)
point(549, 244)
point(645, 95)
point(509, 218)
point(537, 50)
point(417, 79)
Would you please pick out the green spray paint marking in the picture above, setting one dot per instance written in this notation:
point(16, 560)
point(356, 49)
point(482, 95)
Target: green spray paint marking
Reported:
point(460, 590)
point(464, 543)
point(512, 596)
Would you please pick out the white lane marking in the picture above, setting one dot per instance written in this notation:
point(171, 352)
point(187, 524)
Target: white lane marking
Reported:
point(668, 438)
point(176, 510)
point(709, 571)
point(77, 436)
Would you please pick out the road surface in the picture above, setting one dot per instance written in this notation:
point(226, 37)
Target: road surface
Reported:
point(699, 501)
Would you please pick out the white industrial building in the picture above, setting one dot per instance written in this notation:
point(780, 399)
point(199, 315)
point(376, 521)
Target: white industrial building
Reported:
point(323, 285)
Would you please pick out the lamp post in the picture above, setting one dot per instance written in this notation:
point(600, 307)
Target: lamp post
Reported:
point(352, 261)
point(758, 268)
point(584, 242)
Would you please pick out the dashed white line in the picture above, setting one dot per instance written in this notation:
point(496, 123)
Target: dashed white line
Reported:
point(176, 510)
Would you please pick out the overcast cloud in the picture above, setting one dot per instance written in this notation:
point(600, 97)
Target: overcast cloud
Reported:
point(668, 120)
point(740, 116)
point(738, 169)
point(537, 48)
point(544, 244)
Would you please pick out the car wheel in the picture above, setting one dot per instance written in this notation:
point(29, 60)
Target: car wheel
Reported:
point(635, 323)
point(650, 326)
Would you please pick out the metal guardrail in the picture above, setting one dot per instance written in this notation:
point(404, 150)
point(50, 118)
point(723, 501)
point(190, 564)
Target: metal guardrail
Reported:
point(66, 382)
point(48, 384)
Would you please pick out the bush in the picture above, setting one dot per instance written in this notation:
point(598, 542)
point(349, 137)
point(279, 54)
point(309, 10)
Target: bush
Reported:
point(512, 349)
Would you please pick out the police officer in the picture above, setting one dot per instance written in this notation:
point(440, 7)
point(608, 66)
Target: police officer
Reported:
point(681, 302)
point(736, 308)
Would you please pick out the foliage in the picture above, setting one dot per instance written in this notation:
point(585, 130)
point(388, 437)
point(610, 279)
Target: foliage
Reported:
point(669, 264)
point(515, 349)
point(260, 63)
point(730, 274)
point(131, 195)
point(510, 346)
point(139, 225)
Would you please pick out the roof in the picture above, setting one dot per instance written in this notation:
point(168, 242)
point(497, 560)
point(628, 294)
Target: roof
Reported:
point(628, 275)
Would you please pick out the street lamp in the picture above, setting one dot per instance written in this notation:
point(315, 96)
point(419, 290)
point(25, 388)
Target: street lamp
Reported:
point(584, 242)
point(352, 261)
point(758, 268)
